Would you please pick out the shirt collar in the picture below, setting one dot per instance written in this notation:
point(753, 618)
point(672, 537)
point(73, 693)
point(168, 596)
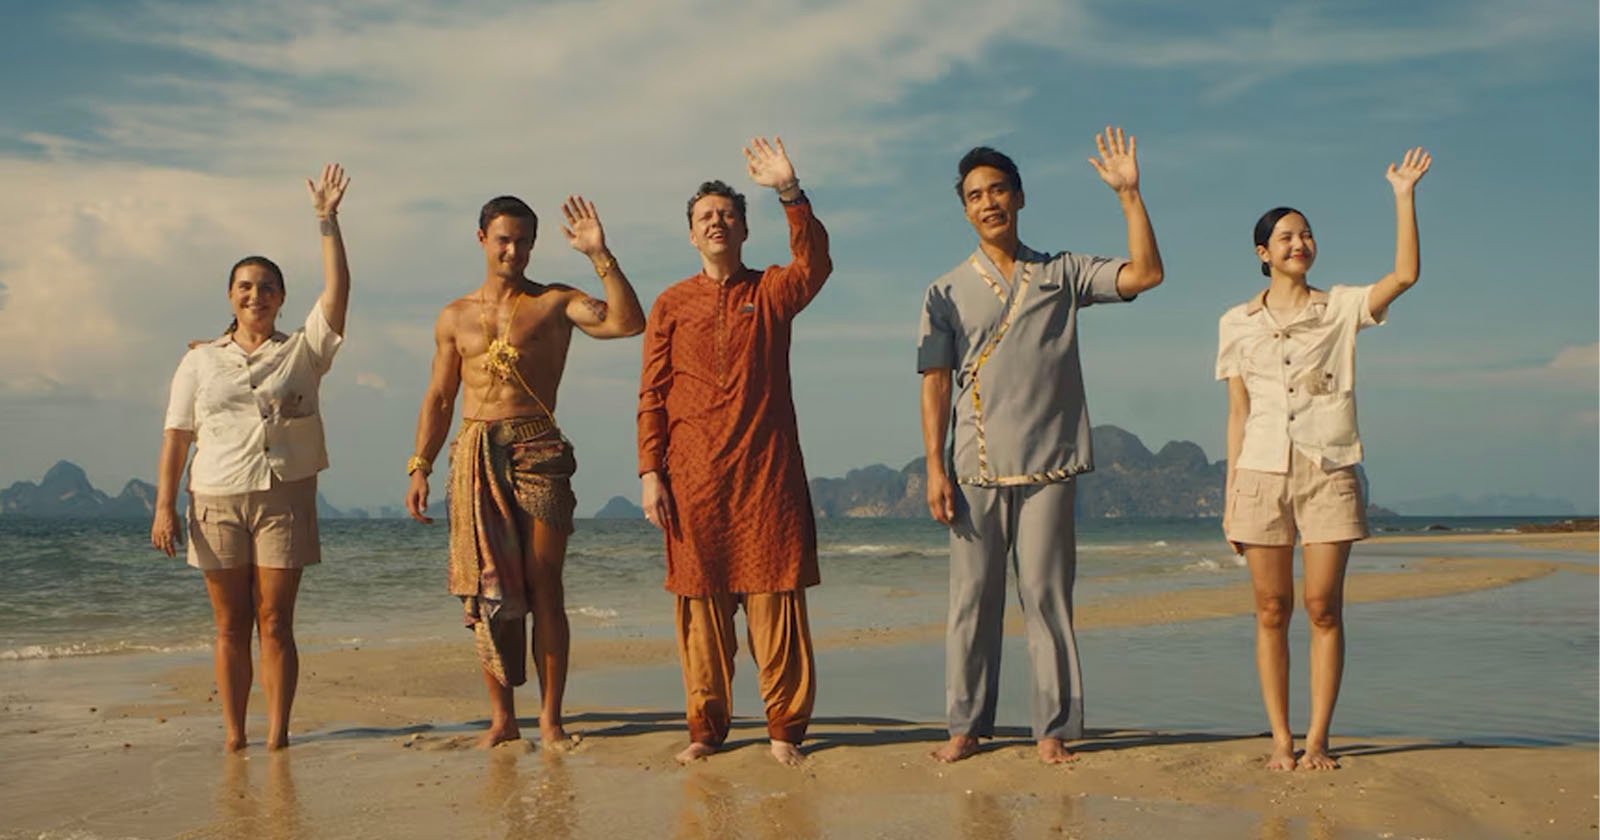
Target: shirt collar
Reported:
point(226, 339)
point(1259, 302)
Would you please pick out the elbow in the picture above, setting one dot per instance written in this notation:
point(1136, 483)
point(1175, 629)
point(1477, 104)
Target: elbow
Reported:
point(1151, 277)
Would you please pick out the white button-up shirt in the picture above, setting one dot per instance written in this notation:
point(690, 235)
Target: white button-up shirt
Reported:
point(1301, 377)
point(254, 415)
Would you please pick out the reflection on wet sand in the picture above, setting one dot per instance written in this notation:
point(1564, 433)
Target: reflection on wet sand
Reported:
point(1274, 827)
point(984, 818)
point(274, 813)
point(711, 807)
point(539, 803)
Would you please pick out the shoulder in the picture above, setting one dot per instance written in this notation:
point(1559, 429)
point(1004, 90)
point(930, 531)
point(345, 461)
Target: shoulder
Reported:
point(948, 280)
point(558, 289)
point(1236, 318)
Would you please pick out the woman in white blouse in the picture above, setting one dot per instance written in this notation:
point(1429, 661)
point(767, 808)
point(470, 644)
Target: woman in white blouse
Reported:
point(1289, 358)
point(248, 403)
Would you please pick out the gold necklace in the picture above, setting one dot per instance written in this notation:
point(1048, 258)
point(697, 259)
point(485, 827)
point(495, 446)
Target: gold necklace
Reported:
point(500, 357)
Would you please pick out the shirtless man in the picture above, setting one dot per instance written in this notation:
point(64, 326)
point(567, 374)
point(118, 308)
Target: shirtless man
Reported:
point(510, 496)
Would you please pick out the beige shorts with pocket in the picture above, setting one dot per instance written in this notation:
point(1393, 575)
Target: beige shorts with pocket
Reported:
point(274, 528)
point(1325, 506)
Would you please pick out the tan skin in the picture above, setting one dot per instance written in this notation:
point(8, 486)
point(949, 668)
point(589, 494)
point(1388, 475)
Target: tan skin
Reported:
point(991, 204)
point(538, 320)
point(1289, 253)
point(252, 594)
point(718, 233)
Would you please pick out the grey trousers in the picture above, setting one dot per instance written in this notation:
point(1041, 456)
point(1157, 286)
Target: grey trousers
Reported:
point(1031, 529)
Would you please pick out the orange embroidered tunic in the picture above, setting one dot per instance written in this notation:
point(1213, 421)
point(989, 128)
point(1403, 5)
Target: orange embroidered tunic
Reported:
point(716, 417)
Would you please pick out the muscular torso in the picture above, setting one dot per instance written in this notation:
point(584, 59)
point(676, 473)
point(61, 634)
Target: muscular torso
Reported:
point(541, 332)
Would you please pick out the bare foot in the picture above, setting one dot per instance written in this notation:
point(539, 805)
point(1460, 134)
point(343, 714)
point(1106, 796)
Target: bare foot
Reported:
point(499, 734)
point(278, 742)
point(955, 749)
point(1317, 758)
point(234, 744)
point(1053, 751)
point(786, 753)
point(694, 752)
point(1282, 758)
point(559, 740)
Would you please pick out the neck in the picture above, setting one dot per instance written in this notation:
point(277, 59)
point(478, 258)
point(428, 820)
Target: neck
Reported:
point(721, 267)
point(1002, 252)
point(496, 287)
point(252, 335)
point(1287, 290)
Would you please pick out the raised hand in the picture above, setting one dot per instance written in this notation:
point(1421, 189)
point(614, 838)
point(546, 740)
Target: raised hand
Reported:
point(583, 230)
point(328, 191)
point(1404, 177)
point(1118, 164)
point(768, 163)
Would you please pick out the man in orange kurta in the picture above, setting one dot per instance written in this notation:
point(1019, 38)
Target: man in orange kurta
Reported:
point(720, 463)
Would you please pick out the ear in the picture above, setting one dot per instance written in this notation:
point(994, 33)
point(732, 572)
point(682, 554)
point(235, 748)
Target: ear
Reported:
point(1022, 199)
point(483, 236)
point(1263, 254)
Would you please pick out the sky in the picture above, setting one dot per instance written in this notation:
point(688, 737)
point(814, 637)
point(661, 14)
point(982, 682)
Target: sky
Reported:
point(145, 146)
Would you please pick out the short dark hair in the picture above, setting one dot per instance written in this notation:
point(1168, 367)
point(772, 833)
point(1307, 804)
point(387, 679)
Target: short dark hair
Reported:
point(716, 188)
point(1267, 222)
point(506, 205)
point(985, 156)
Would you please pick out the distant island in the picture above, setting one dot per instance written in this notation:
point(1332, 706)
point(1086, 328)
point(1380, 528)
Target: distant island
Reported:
point(1129, 482)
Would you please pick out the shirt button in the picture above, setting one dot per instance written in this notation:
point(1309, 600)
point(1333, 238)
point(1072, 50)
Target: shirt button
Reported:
point(1286, 361)
point(1291, 417)
point(1291, 390)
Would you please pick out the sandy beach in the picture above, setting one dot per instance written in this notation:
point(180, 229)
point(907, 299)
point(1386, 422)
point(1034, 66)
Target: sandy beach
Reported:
point(130, 747)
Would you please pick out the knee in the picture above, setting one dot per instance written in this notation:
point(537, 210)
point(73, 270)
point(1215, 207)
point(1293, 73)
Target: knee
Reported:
point(1325, 613)
point(1273, 611)
point(276, 626)
point(234, 630)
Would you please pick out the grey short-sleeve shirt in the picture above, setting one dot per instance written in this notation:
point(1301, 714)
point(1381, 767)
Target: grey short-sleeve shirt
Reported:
point(1012, 349)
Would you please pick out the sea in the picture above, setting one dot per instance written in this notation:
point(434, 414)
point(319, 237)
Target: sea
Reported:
point(1514, 665)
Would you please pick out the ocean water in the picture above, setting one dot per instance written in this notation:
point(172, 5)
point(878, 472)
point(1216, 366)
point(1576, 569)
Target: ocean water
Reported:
point(1514, 665)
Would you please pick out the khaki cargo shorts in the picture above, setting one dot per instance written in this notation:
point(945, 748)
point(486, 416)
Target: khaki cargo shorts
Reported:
point(1325, 506)
point(274, 528)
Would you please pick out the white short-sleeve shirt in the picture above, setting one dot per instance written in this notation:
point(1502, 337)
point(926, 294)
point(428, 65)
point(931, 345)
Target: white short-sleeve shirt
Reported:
point(254, 415)
point(1301, 377)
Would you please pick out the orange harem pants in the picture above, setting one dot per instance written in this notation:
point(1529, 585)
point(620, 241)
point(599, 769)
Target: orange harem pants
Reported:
point(780, 641)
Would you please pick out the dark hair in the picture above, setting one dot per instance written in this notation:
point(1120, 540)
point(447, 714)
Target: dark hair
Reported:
point(259, 262)
point(985, 156)
point(506, 205)
point(1266, 223)
point(716, 188)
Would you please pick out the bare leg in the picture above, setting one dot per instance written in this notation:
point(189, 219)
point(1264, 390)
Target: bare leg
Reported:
point(502, 708)
point(275, 592)
point(552, 637)
point(231, 608)
point(1272, 578)
point(955, 749)
point(1324, 593)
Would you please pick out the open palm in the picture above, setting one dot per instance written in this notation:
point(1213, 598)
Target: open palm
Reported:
point(328, 191)
point(768, 163)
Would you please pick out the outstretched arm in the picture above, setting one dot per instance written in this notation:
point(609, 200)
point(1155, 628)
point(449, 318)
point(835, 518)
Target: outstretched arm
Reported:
point(326, 193)
point(769, 166)
point(433, 422)
point(619, 315)
point(1118, 166)
point(1407, 253)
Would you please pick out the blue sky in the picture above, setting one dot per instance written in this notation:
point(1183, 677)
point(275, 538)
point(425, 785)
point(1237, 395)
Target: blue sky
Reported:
point(146, 146)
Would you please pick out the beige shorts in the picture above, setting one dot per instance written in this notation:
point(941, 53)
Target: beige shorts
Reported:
point(274, 528)
point(1323, 505)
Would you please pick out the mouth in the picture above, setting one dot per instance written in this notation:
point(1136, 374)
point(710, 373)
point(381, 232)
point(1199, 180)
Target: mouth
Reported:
point(995, 218)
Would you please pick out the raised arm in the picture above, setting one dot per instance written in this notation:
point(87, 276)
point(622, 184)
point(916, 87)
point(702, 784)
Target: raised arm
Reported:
point(935, 428)
point(1407, 253)
point(619, 315)
point(438, 407)
point(1118, 166)
point(1238, 413)
point(326, 193)
point(809, 266)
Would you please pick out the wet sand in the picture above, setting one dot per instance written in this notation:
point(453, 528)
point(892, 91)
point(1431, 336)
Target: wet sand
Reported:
point(129, 747)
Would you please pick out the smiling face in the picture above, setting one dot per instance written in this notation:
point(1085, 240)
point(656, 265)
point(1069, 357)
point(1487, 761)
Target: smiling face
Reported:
point(507, 244)
point(256, 295)
point(716, 229)
point(991, 204)
point(1290, 248)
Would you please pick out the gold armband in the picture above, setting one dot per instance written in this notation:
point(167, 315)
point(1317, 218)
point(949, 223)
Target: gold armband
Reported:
point(605, 268)
point(418, 462)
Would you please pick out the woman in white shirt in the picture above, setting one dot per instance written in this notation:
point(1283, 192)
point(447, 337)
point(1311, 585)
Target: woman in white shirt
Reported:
point(248, 402)
point(1288, 356)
